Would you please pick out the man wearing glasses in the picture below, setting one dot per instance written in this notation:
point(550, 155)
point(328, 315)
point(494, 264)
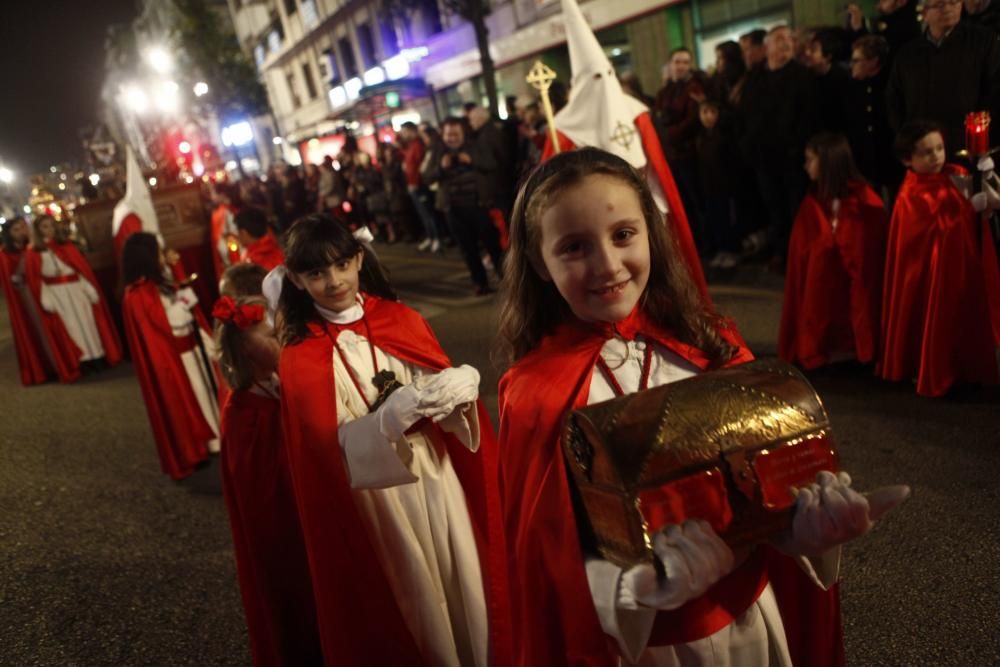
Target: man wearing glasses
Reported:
point(952, 70)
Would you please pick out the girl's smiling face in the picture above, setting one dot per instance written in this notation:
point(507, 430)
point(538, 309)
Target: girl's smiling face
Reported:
point(334, 287)
point(594, 247)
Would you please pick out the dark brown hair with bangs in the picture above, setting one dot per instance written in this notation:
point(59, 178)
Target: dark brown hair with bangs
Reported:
point(315, 242)
point(531, 307)
point(836, 166)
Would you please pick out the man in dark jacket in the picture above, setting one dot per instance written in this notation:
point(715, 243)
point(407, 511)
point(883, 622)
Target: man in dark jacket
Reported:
point(984, 13)
point(868, 130)
point(464, 174)
point(831, 79)
point(952, 70)
point(778, 110)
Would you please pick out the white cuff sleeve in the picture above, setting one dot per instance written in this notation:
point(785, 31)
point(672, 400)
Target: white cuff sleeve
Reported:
point(630, 628)
point(824, 570)
point(372, 461)
point(463, 423)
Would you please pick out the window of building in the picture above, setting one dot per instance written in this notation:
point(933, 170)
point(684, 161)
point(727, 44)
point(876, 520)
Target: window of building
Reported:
point(309, 15)
point(307, 76)
point(259, 54)
point(347, 57)
point(331, 67)
point(432, 18)
point(292, 92)
point(291, 6)
point(366, 44)
point(390, 45)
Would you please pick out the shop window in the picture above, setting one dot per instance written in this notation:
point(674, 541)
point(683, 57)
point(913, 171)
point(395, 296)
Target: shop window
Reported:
point(291, 6)
point(366, 44)
point(347, 57)
point(307, 76)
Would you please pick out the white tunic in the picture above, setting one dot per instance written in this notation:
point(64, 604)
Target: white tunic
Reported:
point(758, 636)
point(178, 307)
point(74, 304)
point(415, 508)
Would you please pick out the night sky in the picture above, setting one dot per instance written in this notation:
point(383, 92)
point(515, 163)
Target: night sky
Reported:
point(51, 69)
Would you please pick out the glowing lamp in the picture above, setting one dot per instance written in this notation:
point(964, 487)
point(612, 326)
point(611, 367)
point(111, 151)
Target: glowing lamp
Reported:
point(347, 206)
point(184, 147)
point(977, 132)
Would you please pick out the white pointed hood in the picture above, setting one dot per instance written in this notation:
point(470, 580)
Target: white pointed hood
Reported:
point(599, 113)
point(136, 200)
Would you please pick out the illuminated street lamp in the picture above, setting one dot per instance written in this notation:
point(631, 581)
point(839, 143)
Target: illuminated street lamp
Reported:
point(135, 98)
point(200, 88)
point(95, 179)
point(6, 175)
point(159, 59)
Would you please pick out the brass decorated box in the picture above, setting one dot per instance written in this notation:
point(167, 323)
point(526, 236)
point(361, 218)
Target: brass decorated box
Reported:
point(726, 446)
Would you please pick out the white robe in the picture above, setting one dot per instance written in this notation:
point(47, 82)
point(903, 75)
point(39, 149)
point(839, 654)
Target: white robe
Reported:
point(74, 304)
point(414, 506)
point(178, 307)
point(755, 638)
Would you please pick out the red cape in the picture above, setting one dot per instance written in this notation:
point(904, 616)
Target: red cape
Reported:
point(833, 285)
point(555, 621)
point(217, 230)
point(264, 252)
point(31, 357)
point(941, 312)
point(359, 620)
point(676, 216)
point(179, 427)
point(267, 536)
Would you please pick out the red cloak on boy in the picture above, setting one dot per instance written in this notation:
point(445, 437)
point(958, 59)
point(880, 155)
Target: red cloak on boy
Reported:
point(600, 114)
point(32, 359)
point(941, 313)
point(267, 536)
point(554, 618)
point(833, 284)
point(359, 620)
point(65, 353)
point(179, 427)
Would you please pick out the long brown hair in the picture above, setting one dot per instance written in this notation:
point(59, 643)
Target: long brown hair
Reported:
point(235, 363)
point(531, 307)
point(836, 166)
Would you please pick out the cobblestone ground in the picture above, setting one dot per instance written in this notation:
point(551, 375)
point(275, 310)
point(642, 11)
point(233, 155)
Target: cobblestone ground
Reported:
point(105, 561)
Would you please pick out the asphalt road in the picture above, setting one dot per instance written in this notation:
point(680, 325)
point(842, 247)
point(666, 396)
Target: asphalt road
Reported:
point(105, 561)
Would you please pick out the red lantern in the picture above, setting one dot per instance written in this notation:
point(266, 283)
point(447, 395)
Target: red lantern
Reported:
point(977, 133)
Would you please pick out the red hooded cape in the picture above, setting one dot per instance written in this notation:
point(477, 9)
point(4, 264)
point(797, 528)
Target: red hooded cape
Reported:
point(359, 620)
point(64, 351)
point(833, 285)
point(941, 312)
point(267, 536)
point(179, 427)
point(264, 252)
point(31, 357)
point(676, 216)
point(554, 619)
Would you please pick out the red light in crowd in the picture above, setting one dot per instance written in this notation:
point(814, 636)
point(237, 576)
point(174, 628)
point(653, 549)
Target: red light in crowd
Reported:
point(184, 147)
point(347, 207)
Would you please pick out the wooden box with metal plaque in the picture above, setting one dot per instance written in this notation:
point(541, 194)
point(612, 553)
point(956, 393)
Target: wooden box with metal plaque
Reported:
point(726, 446)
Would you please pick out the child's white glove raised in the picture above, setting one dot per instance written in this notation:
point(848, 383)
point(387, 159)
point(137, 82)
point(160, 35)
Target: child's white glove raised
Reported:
point(694, 557)
point(399, 412)
point(829, 513)
point(442, 392)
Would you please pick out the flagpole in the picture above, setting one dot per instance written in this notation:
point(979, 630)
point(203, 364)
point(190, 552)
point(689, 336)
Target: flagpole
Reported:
point(541, 77)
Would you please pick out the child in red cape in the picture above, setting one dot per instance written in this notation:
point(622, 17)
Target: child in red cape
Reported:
point(225, 247)
point(393, 465)
point(33, 358)
point(175, 371)
point(596, 303)
point(836, 257)
point(267, 537)
point(75, 317)
point(259, 245)
point(941, 312)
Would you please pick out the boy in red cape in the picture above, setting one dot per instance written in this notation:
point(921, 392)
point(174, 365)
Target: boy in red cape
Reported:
point(397, 497)
point(941, 312)
point(595, 305)
point(177, 413)
point(259, 244)
point(267, 536)
point(600, 114)
point(225, 249)
point(32, 357)
point(836, 257)
point(67, 327)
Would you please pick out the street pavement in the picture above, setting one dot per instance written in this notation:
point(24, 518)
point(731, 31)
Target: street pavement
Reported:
point(105, 561)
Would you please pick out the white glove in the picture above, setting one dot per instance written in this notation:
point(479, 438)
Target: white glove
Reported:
point(979, 201)
point(442, 392)
point(830, 512)
point(92, 294)
point(693, 557)
point(985, 165)
point(399, 412)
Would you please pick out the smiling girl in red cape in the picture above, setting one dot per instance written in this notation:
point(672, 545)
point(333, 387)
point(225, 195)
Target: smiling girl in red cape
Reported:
point(598, 302)
point(392, 461)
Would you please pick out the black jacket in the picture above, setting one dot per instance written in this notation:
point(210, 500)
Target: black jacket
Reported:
point(868, 130)
point(944, 83)
point(778, 114)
